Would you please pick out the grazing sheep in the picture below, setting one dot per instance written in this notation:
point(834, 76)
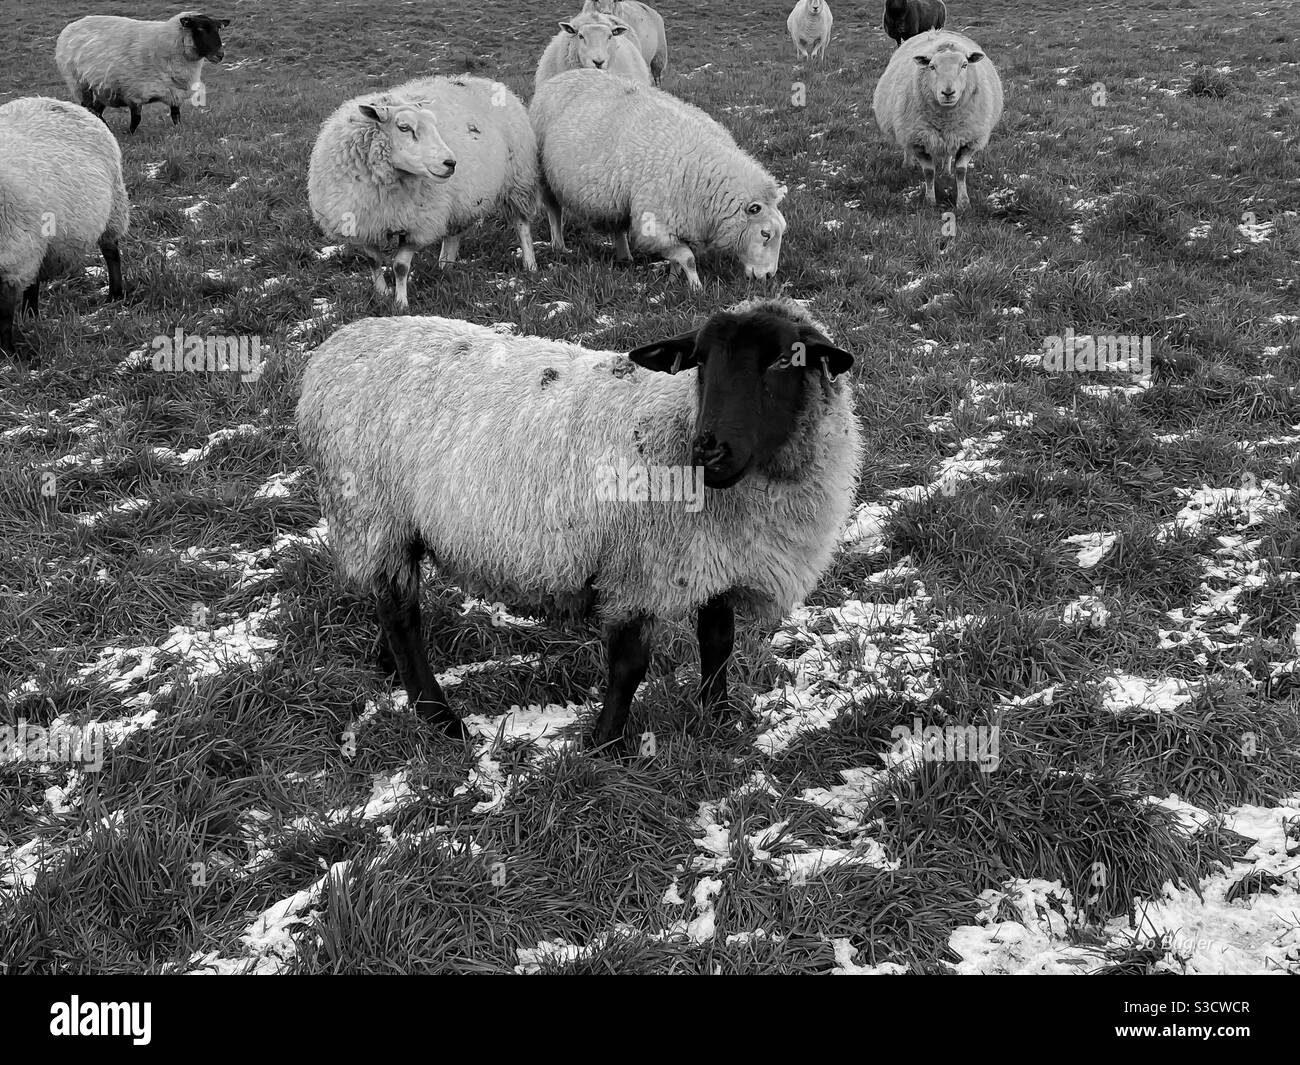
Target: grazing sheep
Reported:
point(110, 61)
point(646, 24)
point(422, 163)
point(61, 194)
point(940, 99)
point(635, 159)
point(904, 19)
point(596, 42)
point(810, 28)
point(514, 463)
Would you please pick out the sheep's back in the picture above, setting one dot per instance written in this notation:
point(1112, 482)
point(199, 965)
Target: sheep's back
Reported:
point(61, 166)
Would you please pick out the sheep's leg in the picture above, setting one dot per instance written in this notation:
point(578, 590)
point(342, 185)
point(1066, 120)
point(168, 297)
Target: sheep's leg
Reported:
point(961, 165)
point(450, 249)
point(98, 108)
point(135, 117)
point(927, 173)
point(629, 658)
point(715, 625)
point(377, 277)
point(176, 114)
point(554, 218)
point(87, 96)
point(8, 305)
point(402, 270)
point(113, 260)
point(397, 601)
point(622, 250)
point(682, 256)
point(32, 299)
point(525, 232)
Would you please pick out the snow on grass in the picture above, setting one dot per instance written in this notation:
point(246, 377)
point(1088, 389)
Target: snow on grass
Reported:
point(204, 451)
point(280, 485)
point(126, 506)
point(1093, 547)
point(1244, 919)
point(1248, 505)
point(1123, 692)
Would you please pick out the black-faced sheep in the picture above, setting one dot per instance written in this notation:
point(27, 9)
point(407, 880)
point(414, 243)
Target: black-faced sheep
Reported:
point(111, 61)
point(501, 458)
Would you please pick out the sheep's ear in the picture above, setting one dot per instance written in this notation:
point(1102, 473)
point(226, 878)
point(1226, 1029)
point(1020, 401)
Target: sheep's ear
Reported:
point(668, 356)
point(819, 348)
point(974, 57)
point(781, 190)
point(921, 60)
point(375, 112)
point(568, 28)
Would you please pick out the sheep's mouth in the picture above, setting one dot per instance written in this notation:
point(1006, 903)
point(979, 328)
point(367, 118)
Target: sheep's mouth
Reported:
point(216, 57)
point(720, 481)
point(440, 177)
point(949, 103)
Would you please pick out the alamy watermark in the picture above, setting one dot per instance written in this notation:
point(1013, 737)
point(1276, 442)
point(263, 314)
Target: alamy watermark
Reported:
point(81, 745)
point(192, 353)
point(1097, 353)
point(948, 743)
point(630, 482)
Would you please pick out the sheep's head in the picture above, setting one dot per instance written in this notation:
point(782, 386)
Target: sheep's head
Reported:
point(415, 146)
point(946, 74)
point(755, 367)
point(815, 7)
point(596, 37)
point(205, 36)
point(756, 231)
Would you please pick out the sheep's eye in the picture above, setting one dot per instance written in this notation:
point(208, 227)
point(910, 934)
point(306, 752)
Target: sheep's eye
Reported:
point(754, 208)
point(404, 127)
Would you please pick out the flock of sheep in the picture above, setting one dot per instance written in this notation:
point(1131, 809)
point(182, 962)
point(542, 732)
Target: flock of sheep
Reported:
point(485, 450)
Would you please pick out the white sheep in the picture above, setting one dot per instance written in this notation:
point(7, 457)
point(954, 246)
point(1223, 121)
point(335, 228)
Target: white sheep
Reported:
point(810, 28)
point(61, 194)
point(634, 159)
point(514, 462)
point(596, 42)
point(939, 98)
point(646, 23)
point(111, 61)
point(422, 163)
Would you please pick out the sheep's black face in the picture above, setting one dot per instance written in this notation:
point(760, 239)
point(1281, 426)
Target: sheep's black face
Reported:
point(206, 33)
point(754, 369)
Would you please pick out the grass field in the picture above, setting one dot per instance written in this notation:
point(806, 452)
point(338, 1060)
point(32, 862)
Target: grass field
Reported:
point(1098, 575)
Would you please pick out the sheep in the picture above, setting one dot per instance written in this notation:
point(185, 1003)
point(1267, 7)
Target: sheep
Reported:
point(810, 28)
point(940, 98)
point(634, 158)
point(422, 163)
point(646, 24)
point(585, 484)
point(111, 61)
point(904, 19)
point(596, 42)
point(61, 193)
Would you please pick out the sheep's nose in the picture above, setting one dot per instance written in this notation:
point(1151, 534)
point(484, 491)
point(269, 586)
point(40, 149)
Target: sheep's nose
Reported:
point(948, 94)
point(707, 452)
point(767, 235)
point(598, 63)
point(450, 164)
